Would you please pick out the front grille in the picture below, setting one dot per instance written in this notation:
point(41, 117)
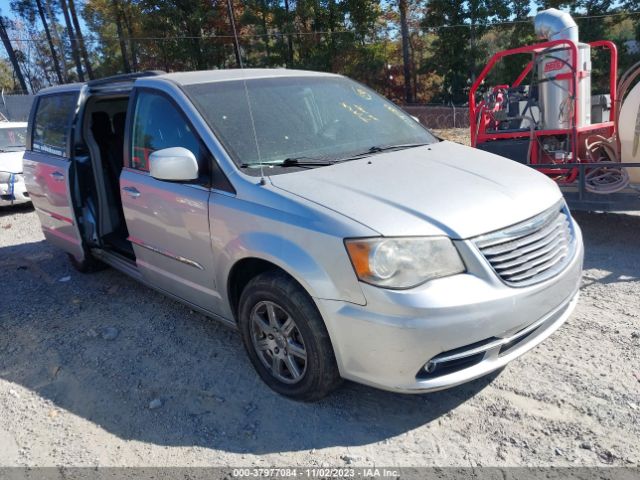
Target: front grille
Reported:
point(531, 251)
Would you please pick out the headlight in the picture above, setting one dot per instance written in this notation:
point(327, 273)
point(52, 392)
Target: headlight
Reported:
point(403, 262)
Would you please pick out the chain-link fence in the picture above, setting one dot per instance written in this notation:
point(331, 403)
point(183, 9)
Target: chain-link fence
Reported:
point(440, 116)
point(15, 108)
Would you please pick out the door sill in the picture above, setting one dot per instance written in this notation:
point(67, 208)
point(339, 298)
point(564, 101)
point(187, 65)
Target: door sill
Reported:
point(118, 261)
point(129, 267)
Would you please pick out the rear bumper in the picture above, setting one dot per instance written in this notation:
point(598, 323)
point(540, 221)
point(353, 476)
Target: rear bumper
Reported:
point(14, 194)
point(469, 325)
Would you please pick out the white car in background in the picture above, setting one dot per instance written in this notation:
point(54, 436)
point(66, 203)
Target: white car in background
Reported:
point(12, 145)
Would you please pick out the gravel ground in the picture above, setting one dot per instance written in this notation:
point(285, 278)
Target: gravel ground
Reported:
point(99, 370)
point(459, 135)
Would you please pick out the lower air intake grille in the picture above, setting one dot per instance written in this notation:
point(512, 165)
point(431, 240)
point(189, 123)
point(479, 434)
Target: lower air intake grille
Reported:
point(531, 251)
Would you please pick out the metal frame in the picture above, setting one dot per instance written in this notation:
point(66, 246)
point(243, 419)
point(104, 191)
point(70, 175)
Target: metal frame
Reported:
point(579, 198)
point(573, 181)
point(478, 135)
point(124, 77)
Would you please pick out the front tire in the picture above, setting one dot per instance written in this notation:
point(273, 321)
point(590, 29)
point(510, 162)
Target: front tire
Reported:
point(286, 339)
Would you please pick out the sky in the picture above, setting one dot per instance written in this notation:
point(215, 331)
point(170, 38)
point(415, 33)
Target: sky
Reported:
point(5, 7)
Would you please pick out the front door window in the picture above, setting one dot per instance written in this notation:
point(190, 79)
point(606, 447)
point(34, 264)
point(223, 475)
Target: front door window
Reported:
point(159, 124)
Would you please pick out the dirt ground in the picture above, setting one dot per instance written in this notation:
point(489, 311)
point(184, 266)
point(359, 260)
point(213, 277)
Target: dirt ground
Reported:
point(459, 135)
point(99, 370)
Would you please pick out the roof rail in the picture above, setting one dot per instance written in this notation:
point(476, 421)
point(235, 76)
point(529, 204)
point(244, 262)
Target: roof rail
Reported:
point(125, 77)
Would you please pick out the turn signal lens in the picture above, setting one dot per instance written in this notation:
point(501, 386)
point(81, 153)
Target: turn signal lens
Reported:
point(359, 253)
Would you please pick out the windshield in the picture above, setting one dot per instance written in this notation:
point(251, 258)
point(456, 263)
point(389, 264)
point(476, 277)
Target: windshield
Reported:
point(310, 118)
point(12, 139)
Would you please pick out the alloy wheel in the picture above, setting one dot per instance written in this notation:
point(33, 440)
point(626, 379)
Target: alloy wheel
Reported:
point(278, 342)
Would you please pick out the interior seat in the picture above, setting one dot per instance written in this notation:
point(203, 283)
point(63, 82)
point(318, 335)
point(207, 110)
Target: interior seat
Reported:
point(111, 165)
point(103, 135)
point(118, 139)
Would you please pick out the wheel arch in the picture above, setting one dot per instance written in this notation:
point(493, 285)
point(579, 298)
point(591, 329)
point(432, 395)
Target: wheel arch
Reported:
point(317, 272)
point(245, 269)
point(242, 272)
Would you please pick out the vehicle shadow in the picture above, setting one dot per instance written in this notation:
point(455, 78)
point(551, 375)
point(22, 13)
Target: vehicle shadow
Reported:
point(15, 209)
point(612, 246)
point(103, 347)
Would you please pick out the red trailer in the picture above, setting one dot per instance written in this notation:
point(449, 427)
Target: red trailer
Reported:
point(543, 119)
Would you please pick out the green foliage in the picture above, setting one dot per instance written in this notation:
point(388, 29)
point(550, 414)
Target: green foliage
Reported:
point(592, 28)
point(459, 51)
point(7, 80)
point(449, 41)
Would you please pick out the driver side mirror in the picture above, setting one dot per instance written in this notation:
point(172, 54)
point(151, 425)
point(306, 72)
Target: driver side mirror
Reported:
point(175, 164)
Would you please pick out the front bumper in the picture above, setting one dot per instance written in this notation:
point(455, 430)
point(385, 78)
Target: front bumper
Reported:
point(470, 324)
point(15, 192)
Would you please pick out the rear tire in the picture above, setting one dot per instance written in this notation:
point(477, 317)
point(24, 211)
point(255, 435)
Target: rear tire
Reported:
point(286, 338)
point(90, 264)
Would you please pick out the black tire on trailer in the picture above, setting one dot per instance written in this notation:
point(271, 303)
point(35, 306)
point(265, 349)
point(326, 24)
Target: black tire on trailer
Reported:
point(286, 338)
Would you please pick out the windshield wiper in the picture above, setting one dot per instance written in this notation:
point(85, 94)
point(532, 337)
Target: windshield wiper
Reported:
point(383, 148)
point(320, 162)
point(305, 162)
point(294, 162)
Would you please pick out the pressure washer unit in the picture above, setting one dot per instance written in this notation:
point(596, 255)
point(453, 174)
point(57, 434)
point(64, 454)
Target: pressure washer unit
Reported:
point(549, 119)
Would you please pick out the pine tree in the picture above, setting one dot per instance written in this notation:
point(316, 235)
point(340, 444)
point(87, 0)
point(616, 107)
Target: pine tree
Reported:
point(78, 30)
point(12, 54)
point(75, 51)
point(406, 60)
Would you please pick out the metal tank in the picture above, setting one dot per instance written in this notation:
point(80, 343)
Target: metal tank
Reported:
point(629, 132)
point(555, 103)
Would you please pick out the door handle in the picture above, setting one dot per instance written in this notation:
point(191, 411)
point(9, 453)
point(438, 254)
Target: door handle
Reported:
point(131, 191)
point(57, 176)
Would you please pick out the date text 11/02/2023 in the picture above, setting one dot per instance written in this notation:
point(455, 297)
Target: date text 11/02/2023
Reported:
point(321, 472)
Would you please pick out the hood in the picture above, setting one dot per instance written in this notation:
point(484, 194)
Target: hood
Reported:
point(11, 162)
point(444, 188)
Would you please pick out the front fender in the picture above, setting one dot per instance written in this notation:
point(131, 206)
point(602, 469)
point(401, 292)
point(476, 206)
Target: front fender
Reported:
point(322, 267)
point(302, 238)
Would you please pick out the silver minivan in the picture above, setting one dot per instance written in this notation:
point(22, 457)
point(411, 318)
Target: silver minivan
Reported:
point(337, 234)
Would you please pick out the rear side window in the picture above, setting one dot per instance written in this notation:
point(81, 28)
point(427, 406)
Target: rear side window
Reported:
point(52, 123)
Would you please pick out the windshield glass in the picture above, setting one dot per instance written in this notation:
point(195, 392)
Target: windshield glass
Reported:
point(328, 118)
point(12, 139)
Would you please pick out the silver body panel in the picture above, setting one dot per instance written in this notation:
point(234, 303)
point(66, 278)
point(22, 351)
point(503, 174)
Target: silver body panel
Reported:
point(435, 190)
point(168, 226)
point(47, 179)
point(187, 239)
point(386, 342)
